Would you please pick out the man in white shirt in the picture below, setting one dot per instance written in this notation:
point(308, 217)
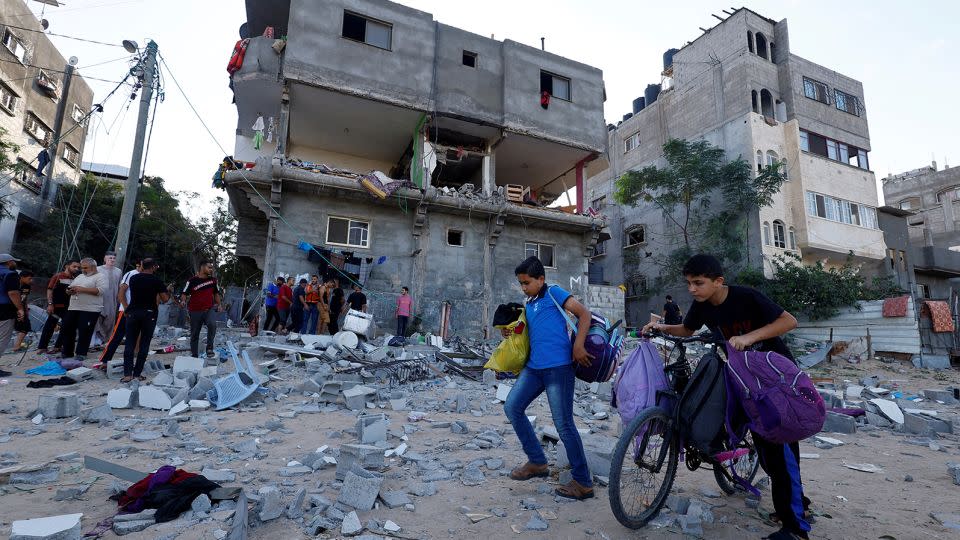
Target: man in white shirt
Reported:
point(120, 327)
point(86, 303)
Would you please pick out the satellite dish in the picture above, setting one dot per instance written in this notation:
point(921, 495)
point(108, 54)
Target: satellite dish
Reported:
point(130, 46)
point(73, 60)
point(44, 23)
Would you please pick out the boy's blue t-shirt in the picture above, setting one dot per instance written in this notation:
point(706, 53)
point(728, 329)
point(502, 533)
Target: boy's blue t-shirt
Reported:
point(550, 344)
point(274, 289)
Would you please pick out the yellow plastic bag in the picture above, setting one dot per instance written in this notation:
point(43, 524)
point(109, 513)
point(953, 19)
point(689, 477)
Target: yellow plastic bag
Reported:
point(512, 353)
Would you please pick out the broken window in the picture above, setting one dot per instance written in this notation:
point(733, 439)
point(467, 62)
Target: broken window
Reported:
point(600, 249)
point(631, 142)
point(779, 234)
point(15, 46)
point(366, 30)
point(792, 234)
point(949, 194)
point(599, 204)
point(762, 45)
point(835, 150)
point(636, 286)
point(544, 252)
point(636, 235)
point(766, 103)
point(766, 233)
point(847, 102)
point(759, 161)
point(454, 237)
point(924, 290)
point(754, 103)
point(70, 155)
point(816, 90)
point(470, 59)
point(555, 85)
point(36, 129)
point(749, 41)
point(348, 232)
point(910, 203)
point(8, 100)
point(77, 114)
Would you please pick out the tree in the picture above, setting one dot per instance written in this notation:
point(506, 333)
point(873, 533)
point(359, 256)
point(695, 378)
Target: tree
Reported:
point(8, 168)
point(218, 243)
point(706, 200)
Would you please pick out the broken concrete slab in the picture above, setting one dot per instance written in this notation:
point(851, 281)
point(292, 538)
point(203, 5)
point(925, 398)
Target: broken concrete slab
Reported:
point(178, 408)
point(58, 405)
point(395, 499)
point(199, 404)
point(121, 398)
point(154, 398)
point(889, 409)
point(372, 428)
point(351, 525)
point(62, 527)
point(359, 492)
point(100, 413)
point(356, 398)
point(35, 477)
point(503, 390)
point(121, 472)
point(839, 423)
point(218, 475)
point(295, 510)
point(121, 528)
point(361, 455)
point(187, 364)
point(271, 503)
point(80, 374)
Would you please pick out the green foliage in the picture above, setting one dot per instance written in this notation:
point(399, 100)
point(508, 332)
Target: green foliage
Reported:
point(816, 291)
point(218, 242)
point(704, 199)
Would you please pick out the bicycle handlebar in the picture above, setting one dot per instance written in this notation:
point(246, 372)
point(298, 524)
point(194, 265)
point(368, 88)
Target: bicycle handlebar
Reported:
point(706, 337)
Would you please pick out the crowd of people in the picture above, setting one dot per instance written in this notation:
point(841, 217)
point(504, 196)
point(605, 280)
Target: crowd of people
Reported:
point(310, 307)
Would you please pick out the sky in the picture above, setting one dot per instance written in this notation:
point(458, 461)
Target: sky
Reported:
point(905, 58)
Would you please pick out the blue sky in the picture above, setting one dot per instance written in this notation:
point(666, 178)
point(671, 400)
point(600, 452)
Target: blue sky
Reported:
point(906, 59)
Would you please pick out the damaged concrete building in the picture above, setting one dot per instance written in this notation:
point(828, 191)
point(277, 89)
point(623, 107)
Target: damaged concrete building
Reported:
point(740, 87)
point(486, 135)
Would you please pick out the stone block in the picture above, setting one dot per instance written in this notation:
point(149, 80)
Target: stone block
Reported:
point(115, 369)
point(121, 398)
point(372, 428)
point(839, 423)
point(356, 397)
point(154, 398)
point(121, 528)
point(599, 453)
point(271, 503)
point(198, 404)
point(931, 361)
point(187, 363)
point(331, 391)
point(489, 377)
point(503, 390)
point(946, 396)
point(35, 478)
point(200, 389)
point(399, 404)
point(80, 374)
point(922, 424)
point(163, 378)
point(351, 526)
point(59, 405)
point(153, 366)
point(218, 475)
point(359, 492)
point(100, 413)
point(295, 510)
point(201, 504)
point(395, 499)
point(361, 455)
point(62, 527)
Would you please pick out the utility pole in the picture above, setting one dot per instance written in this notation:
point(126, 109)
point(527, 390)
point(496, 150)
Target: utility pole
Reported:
point(58, 126)
point(133, 181)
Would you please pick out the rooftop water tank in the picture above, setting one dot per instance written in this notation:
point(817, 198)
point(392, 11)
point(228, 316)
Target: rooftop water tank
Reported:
point(668, 58)
point(639, 104)
point(627, 116)
point(611, 127)
point(651, 93)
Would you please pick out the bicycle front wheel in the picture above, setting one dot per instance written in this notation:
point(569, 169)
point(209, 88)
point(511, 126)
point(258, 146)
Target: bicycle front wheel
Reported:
point(643, 467)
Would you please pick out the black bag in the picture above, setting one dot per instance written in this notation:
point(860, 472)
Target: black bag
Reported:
point(703, 406)
point(507, 313)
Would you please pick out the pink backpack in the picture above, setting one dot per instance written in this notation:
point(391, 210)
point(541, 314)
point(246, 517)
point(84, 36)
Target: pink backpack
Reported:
point(780, 401)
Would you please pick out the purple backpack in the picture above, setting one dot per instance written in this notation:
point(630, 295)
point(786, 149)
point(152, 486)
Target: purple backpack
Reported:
point(639, 379)
point(779, 400)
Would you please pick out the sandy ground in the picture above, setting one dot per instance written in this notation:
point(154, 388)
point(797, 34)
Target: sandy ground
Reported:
point(849, 503)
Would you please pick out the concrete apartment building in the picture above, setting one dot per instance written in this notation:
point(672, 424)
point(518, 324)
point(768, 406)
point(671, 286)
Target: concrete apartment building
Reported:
point(363, 86)
point(933, 196)
point(740, 87)
point(31, 73)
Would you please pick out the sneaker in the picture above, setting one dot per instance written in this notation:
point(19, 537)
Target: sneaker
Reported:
point(5, 373)
point(211, 354)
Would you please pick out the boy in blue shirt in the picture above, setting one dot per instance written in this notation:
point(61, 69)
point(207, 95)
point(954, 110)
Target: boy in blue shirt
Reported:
point(747, 318)
point(550, 369)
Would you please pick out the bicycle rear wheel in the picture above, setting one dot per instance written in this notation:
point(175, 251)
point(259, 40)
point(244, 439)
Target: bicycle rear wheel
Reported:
point(643, 467)
point(745, 466)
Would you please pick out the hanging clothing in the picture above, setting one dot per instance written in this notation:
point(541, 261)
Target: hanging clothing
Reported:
point(271, 127)
point(43, 159)
point(364, 270)
point(258, 133)
point(236, 58)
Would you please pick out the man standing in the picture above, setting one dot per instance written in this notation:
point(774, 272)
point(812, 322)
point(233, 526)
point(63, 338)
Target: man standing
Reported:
point(357, 300)
point(312, 300)
point(671, 312)
point(141, 315)
point(296, 309)
point(204, 298)
point(57, 301)
point(86, 305)
point(273, 293)
point(11, 308)
point(22, 326)
point(120, 328)
point(111, 275)
point(284, 302)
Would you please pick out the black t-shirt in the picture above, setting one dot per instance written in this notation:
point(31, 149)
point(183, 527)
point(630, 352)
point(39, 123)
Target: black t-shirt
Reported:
point(144, 289)
point(11, 282)
point(357, 300)
point(673, 313)
point(743, 311)
point(299, 291)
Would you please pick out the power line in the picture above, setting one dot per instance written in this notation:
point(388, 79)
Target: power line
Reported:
point(61, 35)
point(52, 70)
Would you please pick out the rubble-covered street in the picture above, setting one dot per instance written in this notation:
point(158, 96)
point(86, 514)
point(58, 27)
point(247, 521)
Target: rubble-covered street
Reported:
point(399, 442)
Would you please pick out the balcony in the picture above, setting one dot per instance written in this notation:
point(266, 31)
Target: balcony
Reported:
point(825, 238)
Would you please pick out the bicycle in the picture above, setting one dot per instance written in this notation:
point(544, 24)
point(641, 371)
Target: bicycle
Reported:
point(652, 445)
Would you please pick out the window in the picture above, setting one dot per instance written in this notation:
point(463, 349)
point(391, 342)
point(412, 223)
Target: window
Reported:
point(816, 90)
point(70, 155)
point(749, 41)
point(37, 129)
point(924, 290)
point(27, 175)
point(766, 103)
point(631, 142)
point(470, 59)
point(47, 84)
point(77, 114)
point(15, 46)
point(804, 141)
point(847, 102)
point(912, 203)
point(779, 234)
point(759, 161)
point(792, 234)
point(600, 249)
point(949, 194)
point(903, 260)
point(454, 237)
point(636, 286)
point(348, 232)
point(366, 30)
point(754, 103)
point(555, 85)
point(544, 252)
point(635, 236)
point(599, 204)
point(766, 233)
point(771, 158)
point(835, 150)
point(761, 45)
point(8, 100)
point(832, 151)
point(841, 211)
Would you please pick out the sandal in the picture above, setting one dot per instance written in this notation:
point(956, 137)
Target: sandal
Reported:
point(530, 470)
point(141, 378)
point(126, 379)
point(574, 490)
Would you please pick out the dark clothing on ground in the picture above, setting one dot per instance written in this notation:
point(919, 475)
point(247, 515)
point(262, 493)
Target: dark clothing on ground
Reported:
point(77, 329)
point(672, 311)
point(743, 311)
point(169, 490)
point(357, 300)
point(50, 383)
point(199, 319)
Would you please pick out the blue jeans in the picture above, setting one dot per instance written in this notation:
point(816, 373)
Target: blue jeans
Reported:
point(558, 382)
point(310, 317)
